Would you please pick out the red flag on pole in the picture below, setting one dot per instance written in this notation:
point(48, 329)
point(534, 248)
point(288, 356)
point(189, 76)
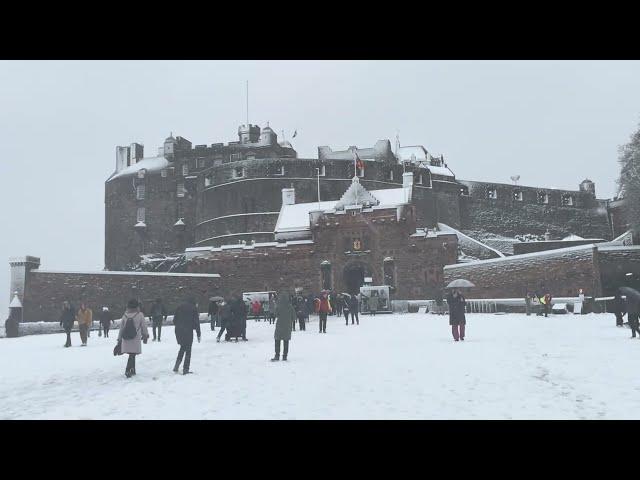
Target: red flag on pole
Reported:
point(359, 162)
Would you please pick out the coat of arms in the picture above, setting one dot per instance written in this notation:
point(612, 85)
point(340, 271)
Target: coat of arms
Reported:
point(357, 244)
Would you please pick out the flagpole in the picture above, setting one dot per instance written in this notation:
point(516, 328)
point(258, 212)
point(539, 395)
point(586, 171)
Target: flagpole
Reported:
point(318, 172)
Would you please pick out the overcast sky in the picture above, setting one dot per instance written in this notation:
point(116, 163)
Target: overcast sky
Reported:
point(554, 123)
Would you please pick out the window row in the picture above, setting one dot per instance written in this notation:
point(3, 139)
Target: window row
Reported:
point(542, 198)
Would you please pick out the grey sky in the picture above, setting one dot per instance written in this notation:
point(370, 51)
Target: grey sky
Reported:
point(554, 123)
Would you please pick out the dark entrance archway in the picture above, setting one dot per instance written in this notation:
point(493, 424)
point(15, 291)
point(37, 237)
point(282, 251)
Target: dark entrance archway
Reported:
point(353, 276)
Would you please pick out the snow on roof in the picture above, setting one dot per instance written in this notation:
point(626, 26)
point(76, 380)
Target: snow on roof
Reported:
point(165, 274)
point(295, 217)
point(151, 164)
point(447, 229)
point(15, 302)
point(531, 255)
point(356, 194)
point(572, 237)
point(414, 153)
point(444, 171)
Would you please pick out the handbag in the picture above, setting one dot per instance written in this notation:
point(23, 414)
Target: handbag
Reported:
point(117, 350)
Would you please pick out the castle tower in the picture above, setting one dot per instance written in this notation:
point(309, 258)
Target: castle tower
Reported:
point(588, 186)
point(248, 133)
point(20, 266)
point(169, 147)
point(268, 136)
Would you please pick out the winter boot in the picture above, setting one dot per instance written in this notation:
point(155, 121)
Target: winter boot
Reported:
point(176, 367)
point(276, 358)
point(284, 358)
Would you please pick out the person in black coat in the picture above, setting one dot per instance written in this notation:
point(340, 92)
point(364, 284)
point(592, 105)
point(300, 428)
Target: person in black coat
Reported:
point(106, 319)
point(67, 318)
point(224, 313)
point(213, 313)
point(344, 308)
point(186, 320)
point(237, 326)
point(457, 320)
point(619, 309)
point(158, 314)
point(353, 308)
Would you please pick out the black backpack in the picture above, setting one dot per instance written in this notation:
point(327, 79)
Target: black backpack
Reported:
point(129, 332)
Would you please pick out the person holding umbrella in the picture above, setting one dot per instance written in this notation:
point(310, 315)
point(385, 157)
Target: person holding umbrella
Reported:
point(633, 308)
point(457, 303)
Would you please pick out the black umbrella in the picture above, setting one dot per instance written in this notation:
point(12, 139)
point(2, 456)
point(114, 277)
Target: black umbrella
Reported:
point(632, 294)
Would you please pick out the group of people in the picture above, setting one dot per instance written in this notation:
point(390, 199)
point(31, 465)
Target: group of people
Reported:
point(538, 304)
point(84, 317)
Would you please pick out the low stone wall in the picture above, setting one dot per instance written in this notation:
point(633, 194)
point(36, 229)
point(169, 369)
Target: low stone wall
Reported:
point(45, 291)
point(559, 272)
point(43, 328)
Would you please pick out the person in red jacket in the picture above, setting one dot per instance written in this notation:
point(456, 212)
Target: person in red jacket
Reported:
point(256, 307)
point(323, 307)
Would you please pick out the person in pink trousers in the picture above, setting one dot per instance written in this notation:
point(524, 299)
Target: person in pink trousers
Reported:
point(456, 302)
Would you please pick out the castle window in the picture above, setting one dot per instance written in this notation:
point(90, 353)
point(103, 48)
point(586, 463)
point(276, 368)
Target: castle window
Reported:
point(163, 173)
point(180, 190)
point(200, 163)
point(321, 170)
point(185, 169)
point(492, 193)
point(208, 180)
point(141, 215)
point(517, 196)
point(567, 200)
point(360, 172)
point(543, 198)
point(141, 173)
point(390, 174)
point(239, 172)
point(419, 179)
point(140, 192)
point(235, 157)
point(279, 170)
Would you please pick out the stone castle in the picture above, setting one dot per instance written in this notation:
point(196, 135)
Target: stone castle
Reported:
point(250, 215)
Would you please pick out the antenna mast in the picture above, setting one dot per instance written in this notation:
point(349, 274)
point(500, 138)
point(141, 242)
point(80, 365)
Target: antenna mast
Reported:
point(247, 103)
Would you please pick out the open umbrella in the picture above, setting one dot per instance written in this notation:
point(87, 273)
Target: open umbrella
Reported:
point(460, 283)
point(216, 299)
point(346, 294)
point(633, 296)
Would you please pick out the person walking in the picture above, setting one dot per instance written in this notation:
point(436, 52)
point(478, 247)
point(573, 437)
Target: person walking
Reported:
point(547, 304)
point(213, 313)
point(633, 308)
point(323, 309)
point(353, 308)
point(301, 313)
point(527, 302)
point(133, 331)
point(186, 320)
point(106, 319)
point(67, 319)
point(619, 309)
point(457, 320)
point(345, 308)
point(285, 316)
point(158, 314)
point(84, 317)
point(271, 308)
point(224, 313)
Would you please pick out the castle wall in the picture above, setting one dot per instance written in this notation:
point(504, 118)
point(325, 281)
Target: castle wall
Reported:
point(508, 217)
point(418, 261)
point(47, 290)
point(560, 272)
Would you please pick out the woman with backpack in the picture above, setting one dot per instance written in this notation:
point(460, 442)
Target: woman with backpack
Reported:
point(133, 330)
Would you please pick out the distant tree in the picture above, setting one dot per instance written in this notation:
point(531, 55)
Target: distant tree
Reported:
point(629, 181)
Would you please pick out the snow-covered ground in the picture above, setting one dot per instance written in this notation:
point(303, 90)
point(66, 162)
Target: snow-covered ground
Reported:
point(389, 367)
